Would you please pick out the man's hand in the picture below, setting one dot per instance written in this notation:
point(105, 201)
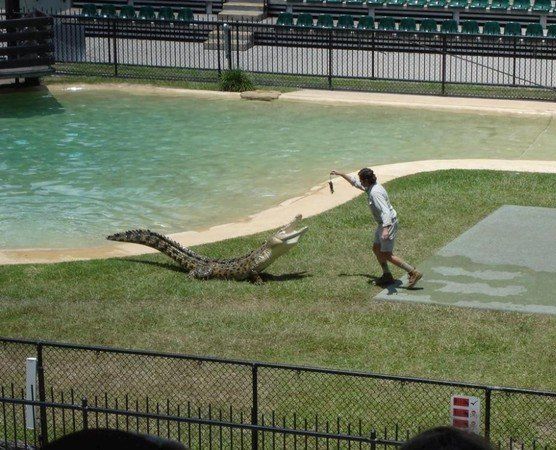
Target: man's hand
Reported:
point(384, 235)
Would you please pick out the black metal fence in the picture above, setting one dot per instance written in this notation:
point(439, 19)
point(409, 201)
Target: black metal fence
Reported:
point(253, 394)
point(329, 58)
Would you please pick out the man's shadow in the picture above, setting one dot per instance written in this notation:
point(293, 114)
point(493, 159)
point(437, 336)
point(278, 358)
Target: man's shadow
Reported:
point(391, 288)
point(264, 276)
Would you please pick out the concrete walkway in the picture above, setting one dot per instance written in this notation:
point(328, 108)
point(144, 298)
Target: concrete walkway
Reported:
point(315, 201)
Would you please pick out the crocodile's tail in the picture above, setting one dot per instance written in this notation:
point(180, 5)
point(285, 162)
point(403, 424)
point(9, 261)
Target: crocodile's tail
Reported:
point(182, 255)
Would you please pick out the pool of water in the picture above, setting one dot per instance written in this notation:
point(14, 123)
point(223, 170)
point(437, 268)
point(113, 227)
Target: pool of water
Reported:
point(78, 165)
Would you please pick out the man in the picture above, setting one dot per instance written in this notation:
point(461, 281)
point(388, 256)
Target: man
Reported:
point(385, 233)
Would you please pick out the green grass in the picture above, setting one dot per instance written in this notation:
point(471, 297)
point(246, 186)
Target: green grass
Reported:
point(318, 309)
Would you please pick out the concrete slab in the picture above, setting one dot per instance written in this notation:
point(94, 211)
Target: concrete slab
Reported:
point(507, 261)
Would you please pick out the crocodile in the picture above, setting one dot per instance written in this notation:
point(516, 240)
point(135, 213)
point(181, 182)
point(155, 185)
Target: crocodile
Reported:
point(247, 267)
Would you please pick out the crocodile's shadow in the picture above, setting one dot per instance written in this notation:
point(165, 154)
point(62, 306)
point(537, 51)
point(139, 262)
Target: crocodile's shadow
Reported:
point(264, 276)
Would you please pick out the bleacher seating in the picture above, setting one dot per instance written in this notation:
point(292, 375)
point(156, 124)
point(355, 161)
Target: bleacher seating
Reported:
point(285, 18)
point(429, 26)
point(304, 20)
point(185, 15)
point(366, 23)
point(127, 12)
point(387, 23)
point(492, 28)
point(449, 26)
point(408, 24)
point(346, 22)
point(325, 21)
point(108, 11)
point(534, 30)
point(147, 13)
point(512, 29)
point(470, 27)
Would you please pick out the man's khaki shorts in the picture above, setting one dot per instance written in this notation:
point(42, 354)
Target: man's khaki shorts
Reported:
point(386, 245)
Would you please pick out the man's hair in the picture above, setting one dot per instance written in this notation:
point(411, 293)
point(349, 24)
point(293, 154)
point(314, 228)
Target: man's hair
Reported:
point(446, 438)
point(367, 175)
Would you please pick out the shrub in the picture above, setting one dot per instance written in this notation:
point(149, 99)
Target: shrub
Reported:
point(235, 81)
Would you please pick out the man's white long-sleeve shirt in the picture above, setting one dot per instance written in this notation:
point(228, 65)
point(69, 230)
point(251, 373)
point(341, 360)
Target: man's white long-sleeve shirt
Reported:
point(379, 203)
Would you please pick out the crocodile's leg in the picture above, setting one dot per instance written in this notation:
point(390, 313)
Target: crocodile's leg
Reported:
point(256, 278)
point(201, 272)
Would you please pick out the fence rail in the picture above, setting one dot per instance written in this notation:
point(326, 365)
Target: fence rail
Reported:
point(266, 394)
point(330, 58)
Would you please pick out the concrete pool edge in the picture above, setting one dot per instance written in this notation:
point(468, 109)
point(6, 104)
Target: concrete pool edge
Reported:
point(435, 103)
point(315, 201)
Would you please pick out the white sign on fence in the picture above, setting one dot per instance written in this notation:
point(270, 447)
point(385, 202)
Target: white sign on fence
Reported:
point(30, 392)
point(465, 412)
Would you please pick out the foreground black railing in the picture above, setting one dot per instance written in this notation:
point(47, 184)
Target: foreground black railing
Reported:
point(265, 394)
point(22, 428)
point(331, 58)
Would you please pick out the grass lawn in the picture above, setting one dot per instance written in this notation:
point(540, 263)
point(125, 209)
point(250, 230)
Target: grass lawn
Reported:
point(318, 307)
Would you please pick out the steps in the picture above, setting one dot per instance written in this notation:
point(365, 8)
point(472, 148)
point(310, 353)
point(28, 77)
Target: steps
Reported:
point(243, 10)
point(241, 40)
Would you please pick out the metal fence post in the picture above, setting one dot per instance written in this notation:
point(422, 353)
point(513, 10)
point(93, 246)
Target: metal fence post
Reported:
point(255, 406)
point(228, 44)
point(444, 50)
point(373, 439)
point(330, 55)
point(219, 51)
point(43, 437)
point(115, 47)
point(514, 61)
point(487, 412)
point(85, 412)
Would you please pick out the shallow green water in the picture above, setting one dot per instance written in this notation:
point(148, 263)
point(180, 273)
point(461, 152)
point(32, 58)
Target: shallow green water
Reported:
point(77, 166)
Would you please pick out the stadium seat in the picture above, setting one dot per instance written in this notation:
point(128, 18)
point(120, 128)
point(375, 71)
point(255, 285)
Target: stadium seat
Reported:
point(108, 11)
point(478, 4)
point(521, 5)
point(512, 29)
point(334, 2)
point(355, 2)
point(500, 5)
point(551, 31)
point(428, 26)
point(534, 30)
point(395, 2)
point(166, 13)
point(375, 3)
point(449, 26)
point(127, 12)
point(89, 10)
point(285, 18)
point(346, 22)
point(542, 6)
point(325, 21)
point(436, 3)
point(469, 27)
point(185, 15)
point(407, 24)
point(146, 12)
point(457, 4)
point(366, 23)
point(304, 20)
point(492, 28)
point(417, 3)
point(387, 23)
point(314, 1)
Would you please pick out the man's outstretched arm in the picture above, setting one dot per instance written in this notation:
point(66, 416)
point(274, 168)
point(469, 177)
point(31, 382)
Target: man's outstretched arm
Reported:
point(349, 179)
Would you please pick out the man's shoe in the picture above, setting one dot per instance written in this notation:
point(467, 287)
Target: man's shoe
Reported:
point(385, 279)
point(414, 276)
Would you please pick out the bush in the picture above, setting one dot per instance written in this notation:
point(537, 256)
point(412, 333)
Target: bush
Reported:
point(235, 81)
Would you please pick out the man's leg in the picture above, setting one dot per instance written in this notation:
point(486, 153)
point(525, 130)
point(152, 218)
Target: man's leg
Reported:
point(414, 274)
point(386, 277)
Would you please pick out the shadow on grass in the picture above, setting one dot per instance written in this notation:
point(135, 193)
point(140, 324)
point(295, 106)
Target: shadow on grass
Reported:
point(264, 276)
point(392, 288)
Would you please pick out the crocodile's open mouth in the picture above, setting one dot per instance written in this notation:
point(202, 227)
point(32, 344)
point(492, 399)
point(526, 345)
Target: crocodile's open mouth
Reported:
point(292, 237)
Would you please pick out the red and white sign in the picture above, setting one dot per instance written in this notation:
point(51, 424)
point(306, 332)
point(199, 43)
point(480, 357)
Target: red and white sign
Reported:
point(465, 413)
